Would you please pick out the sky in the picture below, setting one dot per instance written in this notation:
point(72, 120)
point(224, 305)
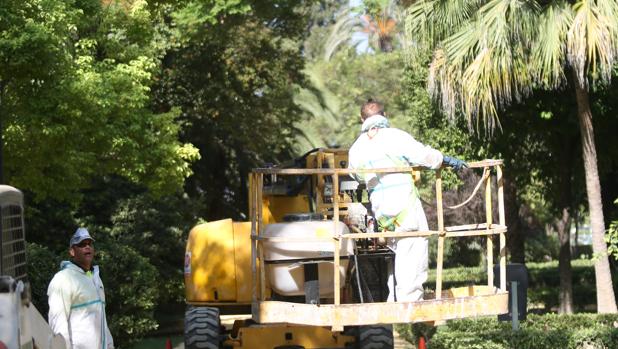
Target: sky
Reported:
point(359, 37)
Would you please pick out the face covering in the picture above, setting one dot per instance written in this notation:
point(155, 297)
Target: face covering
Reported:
point(375, 121)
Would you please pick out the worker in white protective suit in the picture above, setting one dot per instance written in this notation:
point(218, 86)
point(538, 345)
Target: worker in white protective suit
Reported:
point(395, 201)
point(77, 298)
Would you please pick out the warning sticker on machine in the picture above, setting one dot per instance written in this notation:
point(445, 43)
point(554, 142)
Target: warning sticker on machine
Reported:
point(188, 262)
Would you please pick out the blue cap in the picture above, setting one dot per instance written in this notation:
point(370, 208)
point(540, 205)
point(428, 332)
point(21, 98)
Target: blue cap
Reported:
point(80, 235)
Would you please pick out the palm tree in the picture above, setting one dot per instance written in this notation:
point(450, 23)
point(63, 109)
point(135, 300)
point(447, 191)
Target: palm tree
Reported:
point(322, 112)
point(380, 22)
point(341, 33)
point(491, 53)
point(321, 122)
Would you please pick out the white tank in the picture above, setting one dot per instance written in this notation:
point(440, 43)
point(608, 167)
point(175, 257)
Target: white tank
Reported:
point(287, 278)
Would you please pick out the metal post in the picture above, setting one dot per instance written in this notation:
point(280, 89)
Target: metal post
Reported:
point(502, 220)
point(440, 212)
point(260, 231)
point(514, 307)
point(253, 215)
point(489, 216)
point(336, 239)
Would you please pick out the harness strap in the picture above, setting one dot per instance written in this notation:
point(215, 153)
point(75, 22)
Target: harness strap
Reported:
point(390, 223)
point(96, 301)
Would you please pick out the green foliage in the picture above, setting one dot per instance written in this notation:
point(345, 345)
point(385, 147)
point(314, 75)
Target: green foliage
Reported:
point(542, 248)
point(157, 228)
point(84, 112)
point(460, 252)
point(232, 81)
point(612, 238)
point(32, 42)
point(322, 121)
point(540, 165)
point(492, 53)
point(193, 16)
point(132, 286)
point(546, 331)
point(42, 265)
point(544, 282)
point(413, 332)
point(455, 277)
point(332, 27)
point(332, 106)
point(49, 223)
point(449, 136)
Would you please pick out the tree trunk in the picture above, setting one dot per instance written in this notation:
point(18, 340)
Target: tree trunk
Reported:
point(385, 43)
point(575, 221)
point(606, 301)
point(517, 233)
point(563, 224)
point(565, 295)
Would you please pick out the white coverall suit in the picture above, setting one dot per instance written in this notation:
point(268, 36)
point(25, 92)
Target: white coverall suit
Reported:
point(77, 308)
point(394, 198)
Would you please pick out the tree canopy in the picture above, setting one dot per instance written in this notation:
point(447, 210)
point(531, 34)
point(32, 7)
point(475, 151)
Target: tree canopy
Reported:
point(76, 79)
point(139, 119)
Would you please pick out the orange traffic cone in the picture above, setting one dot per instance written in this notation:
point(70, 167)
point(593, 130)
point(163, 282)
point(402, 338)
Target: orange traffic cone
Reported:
point(421, 343)
point(168, 344)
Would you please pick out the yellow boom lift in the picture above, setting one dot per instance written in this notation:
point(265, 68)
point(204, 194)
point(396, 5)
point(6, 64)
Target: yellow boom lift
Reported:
point(310, 269)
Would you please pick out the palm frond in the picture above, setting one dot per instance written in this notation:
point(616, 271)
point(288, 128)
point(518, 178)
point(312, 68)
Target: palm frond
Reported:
point(482, 67)
point(549, 54)
point(321, 111)
point(430, 21)
point(592, 40)
point(347, 23)
point(443, 83)
point(491, 53)
point(453, 13)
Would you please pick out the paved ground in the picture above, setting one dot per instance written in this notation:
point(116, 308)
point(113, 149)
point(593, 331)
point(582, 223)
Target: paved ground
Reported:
point(228, 320)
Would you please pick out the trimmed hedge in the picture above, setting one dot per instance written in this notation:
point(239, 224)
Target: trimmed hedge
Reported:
point(544, 282)
point(538, 332)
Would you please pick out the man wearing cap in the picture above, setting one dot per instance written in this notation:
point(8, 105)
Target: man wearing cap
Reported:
point(395, 201)
point(77, 299)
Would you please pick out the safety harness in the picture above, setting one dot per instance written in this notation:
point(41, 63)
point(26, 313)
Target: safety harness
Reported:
point(390, 223)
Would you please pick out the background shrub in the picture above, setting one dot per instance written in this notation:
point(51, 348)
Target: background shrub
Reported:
point(42, 265)
point(543, 286)
point(538, 332)
point(131, 290)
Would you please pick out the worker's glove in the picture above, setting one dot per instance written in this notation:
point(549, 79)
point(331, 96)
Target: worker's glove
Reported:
point(455, 163)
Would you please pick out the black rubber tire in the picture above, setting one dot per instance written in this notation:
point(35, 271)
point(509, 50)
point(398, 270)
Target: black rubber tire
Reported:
point(202, 328)
point(375, 337)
